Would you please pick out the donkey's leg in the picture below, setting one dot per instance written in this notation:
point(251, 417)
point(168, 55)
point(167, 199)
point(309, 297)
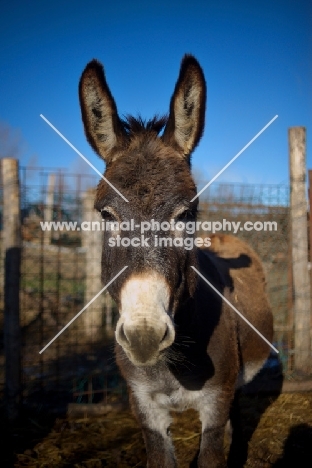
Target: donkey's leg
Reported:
point(238, 452)
point(159, 449)
point(213, 414)
point(154, 421)
point(211, 453)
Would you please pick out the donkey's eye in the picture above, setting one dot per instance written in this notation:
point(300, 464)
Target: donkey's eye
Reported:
point(186, 215)
point(107, 215)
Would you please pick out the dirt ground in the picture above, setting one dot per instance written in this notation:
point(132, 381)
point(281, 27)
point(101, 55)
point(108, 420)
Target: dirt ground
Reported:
point(279, 429)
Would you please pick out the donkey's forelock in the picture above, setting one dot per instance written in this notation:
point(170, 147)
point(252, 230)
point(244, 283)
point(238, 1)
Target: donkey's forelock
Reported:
point(137, 125)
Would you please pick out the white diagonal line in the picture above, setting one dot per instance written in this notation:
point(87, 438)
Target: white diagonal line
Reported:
point(235, 157)
point(235, 310)
point(82, 310)
point(83, 157)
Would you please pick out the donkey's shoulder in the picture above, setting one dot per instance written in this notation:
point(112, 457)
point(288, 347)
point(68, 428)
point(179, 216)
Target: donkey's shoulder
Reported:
point(234, 262)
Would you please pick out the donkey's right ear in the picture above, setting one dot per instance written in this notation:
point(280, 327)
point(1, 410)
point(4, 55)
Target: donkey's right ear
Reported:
point(187, 108)
point(103, 127)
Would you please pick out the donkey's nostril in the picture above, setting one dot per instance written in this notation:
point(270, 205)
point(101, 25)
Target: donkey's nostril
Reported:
point(122, 335)
point(167, 339)
point(166, 335)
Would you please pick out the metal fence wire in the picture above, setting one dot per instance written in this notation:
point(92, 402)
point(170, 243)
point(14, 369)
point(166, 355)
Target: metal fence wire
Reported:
point(55, 272)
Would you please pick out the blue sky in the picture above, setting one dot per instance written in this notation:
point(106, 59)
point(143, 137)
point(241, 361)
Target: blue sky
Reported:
point(256, 58)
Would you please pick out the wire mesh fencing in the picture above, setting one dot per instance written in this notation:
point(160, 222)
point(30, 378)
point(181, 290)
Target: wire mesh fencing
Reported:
point(60, 273)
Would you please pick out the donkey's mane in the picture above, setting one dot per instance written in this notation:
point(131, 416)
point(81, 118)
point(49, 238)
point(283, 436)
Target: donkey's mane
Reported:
point(134, 125)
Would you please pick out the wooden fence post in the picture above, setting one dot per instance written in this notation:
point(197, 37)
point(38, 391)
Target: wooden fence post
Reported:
point(310, 239)
point(12, 257)
point(299, 232)
point(92, 241)
point(48, 209)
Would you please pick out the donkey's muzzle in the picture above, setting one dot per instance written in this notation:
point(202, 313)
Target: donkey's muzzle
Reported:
point(145, 326)
point(143, 343)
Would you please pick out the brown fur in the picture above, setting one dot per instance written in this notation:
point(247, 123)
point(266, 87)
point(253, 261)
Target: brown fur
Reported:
point(180, 345)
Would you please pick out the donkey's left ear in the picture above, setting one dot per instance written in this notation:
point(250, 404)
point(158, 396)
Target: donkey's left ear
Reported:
point(187, 108)
point(102, 124)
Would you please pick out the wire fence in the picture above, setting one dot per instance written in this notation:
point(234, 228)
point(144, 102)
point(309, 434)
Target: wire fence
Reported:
point(54, 275)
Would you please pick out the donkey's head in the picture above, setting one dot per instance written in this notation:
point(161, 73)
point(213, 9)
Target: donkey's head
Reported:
point(153, 173)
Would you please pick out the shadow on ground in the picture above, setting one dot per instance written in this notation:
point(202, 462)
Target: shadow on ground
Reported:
point(297, 448)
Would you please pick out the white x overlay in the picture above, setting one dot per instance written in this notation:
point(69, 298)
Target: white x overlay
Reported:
point(83, 157)
point(124, 268)
point(85, 307)
point(235, 157)
point(234, 308)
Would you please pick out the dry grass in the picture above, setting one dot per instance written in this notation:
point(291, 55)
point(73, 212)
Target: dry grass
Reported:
point(284, 434)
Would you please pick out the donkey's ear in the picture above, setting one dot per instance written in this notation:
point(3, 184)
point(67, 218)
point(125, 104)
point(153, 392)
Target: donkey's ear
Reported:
point(102, 125)
point(187, 108)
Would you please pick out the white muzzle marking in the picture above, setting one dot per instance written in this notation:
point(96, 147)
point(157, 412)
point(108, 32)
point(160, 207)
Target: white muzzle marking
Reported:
point(145, 327)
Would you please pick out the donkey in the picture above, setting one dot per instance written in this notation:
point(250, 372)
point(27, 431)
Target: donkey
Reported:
point(178, 343)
